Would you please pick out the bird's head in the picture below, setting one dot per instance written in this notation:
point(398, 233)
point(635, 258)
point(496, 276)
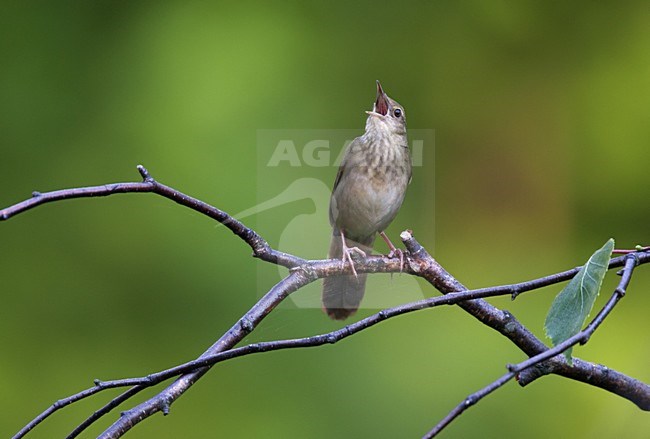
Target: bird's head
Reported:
point(387, 115)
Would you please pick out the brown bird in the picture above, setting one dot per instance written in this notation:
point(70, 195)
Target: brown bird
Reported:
point(368, 192)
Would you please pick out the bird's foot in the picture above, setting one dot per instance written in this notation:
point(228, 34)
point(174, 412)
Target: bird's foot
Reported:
point(347, 257)
point(394, 251)
point(347, 254)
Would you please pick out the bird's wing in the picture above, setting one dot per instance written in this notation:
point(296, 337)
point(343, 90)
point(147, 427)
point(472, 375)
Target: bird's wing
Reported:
point(345, 164)
point(336, 183)
point(338, 176)
point(346, 161)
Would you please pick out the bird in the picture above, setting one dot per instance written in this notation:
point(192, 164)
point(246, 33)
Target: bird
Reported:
point(368, 192)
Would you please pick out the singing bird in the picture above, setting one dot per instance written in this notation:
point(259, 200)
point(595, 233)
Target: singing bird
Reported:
point(368, 192)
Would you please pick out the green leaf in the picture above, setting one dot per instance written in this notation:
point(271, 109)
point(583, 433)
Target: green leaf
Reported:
point(572, 306)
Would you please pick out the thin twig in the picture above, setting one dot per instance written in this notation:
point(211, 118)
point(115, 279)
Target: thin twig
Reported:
point(105, 409)
point(631, 261)
point(638, 249)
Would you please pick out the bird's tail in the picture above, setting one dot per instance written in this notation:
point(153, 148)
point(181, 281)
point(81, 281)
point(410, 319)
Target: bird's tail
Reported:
point(342, 294)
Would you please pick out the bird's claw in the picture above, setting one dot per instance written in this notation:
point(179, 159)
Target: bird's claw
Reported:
point(347, 257)
point(394, 251)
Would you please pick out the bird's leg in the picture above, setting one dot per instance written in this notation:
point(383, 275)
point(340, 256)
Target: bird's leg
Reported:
point(394, 251)
point(347, 254)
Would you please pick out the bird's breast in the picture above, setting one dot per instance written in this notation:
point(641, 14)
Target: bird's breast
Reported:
point(368, 197)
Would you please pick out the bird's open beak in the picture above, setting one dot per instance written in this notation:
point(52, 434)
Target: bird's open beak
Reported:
point(381, 103)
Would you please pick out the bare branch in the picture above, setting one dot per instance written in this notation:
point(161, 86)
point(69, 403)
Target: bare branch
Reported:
point(104, 410)
point(419, 263)
point(506, 324)
point(582, 337)
point(261, 248)
point(633, 390)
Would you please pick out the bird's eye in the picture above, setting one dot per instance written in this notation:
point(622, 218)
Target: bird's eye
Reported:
point(397, 112)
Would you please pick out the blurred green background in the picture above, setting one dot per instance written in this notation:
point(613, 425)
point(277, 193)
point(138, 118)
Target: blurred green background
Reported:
point(540, 112)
